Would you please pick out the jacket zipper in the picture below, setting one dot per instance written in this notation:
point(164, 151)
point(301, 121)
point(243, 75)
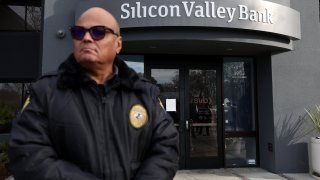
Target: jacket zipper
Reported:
point(102, 115)
point(102, 146)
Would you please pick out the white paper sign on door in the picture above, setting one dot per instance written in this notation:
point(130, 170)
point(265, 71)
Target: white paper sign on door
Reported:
point(171, 105)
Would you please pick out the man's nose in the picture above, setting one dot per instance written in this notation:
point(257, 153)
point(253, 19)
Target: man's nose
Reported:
point(87, 37)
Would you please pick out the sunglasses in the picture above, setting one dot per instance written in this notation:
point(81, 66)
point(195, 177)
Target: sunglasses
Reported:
point(96, 32)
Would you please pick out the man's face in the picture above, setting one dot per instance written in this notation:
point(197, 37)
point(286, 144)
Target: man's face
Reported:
point(89, 52)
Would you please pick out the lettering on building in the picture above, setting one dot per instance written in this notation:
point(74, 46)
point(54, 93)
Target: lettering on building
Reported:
point(206, 9)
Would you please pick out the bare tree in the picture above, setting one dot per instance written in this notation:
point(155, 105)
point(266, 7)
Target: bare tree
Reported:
point(34, 17)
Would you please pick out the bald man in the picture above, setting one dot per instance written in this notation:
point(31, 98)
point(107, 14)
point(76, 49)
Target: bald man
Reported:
point(94, 118)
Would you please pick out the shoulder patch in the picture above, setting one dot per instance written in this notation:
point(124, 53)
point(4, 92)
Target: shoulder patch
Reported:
point(160, 102)
point(26, 103)
point(138, 116)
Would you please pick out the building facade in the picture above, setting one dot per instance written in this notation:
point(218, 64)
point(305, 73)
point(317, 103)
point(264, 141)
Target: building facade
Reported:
point(234, 75)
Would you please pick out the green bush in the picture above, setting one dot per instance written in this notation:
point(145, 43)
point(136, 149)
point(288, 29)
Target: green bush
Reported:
point(4, 160)
point(6, 114)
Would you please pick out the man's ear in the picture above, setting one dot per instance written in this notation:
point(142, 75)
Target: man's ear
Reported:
point(119, 44)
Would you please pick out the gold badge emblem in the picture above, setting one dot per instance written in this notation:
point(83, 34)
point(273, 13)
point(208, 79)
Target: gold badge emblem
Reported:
point(160, 102)
point(26, 103)
point(138, 116)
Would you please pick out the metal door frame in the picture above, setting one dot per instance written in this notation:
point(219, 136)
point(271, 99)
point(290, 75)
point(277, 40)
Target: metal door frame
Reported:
point(184, 63)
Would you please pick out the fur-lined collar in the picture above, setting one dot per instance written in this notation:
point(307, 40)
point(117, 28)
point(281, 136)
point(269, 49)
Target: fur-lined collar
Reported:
point(72, 75)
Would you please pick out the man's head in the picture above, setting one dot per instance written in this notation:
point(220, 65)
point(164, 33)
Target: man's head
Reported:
point(92, 51)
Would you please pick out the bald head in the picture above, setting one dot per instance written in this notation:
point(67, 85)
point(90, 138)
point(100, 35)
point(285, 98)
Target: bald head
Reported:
point(97, 55)
point(98, 16)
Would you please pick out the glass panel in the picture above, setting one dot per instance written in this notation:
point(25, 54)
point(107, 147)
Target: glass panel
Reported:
point(203, 108)
point(136, 62)
point(168, 82)
point(20, 18)
point(240, 151)
point(12, 18)
point(10, 102)
point(238, 94)
point(33, 18)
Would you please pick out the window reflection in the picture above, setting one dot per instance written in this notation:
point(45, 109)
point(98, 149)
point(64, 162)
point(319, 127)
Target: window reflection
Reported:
point(168, 82)
point(10, 102)
point(240, 152)
point(238, 110)
point(136, 62)
point(237, 101)
point(20, 18)
point(203, 121)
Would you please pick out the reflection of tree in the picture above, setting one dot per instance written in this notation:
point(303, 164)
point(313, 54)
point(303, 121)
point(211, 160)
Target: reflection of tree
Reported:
point(235, 79)
point(34, 17)
point(171, 86)
point(10, 94)
point(30, 13)
point(237, 88)
point(203, 84)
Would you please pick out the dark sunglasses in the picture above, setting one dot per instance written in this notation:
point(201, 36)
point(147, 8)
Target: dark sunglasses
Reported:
point(96, 32)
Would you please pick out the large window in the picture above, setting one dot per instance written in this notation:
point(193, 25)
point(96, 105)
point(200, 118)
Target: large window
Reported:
point(20, 25)
point(19, 30)
point(239, 114)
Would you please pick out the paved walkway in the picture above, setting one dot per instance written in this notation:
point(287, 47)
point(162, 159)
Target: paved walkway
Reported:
point(237, 174)
point(234, 174)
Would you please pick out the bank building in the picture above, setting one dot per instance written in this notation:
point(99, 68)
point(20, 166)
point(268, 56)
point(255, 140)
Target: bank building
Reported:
point(235, 75)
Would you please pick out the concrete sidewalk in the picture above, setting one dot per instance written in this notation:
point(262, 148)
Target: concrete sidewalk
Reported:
point(234, 174)
point(237, 174)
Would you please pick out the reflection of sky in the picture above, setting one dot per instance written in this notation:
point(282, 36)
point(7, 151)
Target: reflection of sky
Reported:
point(136, 62)
point(137, 66)
point(164, 75)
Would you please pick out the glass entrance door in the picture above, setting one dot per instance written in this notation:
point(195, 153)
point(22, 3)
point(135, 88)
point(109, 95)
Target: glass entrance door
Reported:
point(191, 96)
point(202, 120)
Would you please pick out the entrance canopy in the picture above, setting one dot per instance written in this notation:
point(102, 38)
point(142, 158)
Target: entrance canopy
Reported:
point(206, 41)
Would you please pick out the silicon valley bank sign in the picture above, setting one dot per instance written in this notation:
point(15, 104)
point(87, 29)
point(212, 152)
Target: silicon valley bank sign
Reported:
point(207, 9)
point(257, 15)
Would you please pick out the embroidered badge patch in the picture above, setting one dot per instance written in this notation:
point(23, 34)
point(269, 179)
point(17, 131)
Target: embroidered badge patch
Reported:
point(138, 116)
point(160, 102)
point(26, 103)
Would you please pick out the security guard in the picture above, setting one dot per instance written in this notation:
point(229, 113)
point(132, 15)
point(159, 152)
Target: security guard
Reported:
point(95, 118)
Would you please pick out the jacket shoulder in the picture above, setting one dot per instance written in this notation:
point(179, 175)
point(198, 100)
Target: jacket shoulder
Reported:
point(48, 75)
point(151, 88)
point(44, 82)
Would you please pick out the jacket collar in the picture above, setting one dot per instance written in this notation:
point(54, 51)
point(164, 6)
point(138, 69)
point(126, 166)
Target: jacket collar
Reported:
point(72, 75)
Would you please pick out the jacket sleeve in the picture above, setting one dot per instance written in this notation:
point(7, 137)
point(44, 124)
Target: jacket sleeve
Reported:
point(30, 149)
point(162, 160)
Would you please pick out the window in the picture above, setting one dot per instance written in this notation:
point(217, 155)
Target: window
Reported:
point(20, 25)
point(238, 95)
point(21, 17)
point(240, 151)
point(19, 31)
point(239, 113)
point(136, 62)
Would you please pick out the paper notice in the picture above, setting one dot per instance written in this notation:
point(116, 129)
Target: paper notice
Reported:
point(171, 105)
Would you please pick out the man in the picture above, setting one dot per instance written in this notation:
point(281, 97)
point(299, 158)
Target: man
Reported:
point(95, 118)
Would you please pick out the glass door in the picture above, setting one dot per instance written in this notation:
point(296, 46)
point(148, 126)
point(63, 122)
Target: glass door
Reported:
point(191, 97)
point(202, 122)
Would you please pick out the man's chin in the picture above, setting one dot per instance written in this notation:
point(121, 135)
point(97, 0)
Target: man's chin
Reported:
point(87, 59)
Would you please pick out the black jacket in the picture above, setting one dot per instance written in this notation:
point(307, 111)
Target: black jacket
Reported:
point(75, 129)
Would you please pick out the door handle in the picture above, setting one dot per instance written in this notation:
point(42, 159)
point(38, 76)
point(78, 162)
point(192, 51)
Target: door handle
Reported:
point(187, 124)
